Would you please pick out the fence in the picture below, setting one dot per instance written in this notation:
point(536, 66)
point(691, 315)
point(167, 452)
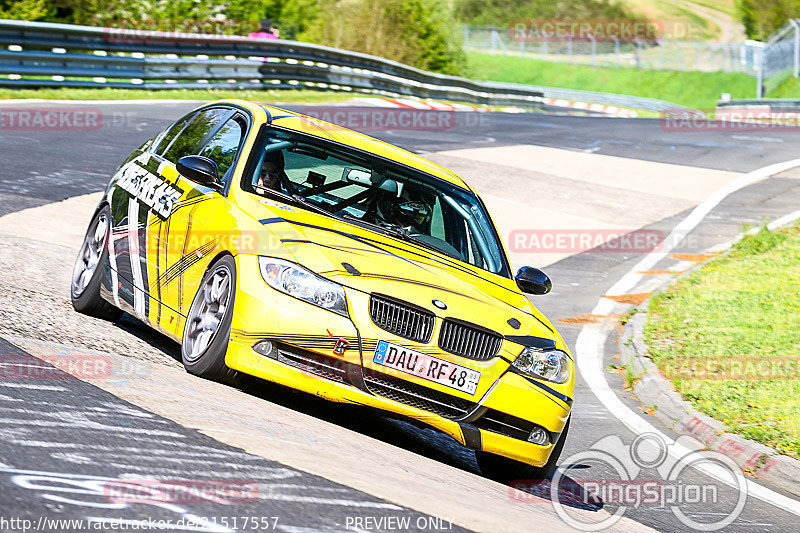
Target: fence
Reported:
point(661, 54)
point(779, 58)
point(770, 62)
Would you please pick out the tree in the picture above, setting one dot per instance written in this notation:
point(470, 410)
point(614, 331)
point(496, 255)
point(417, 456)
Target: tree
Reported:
point(417, 32)
point(762, 17)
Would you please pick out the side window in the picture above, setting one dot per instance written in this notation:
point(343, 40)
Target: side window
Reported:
point(224, 145)
point(194, 136)
point(172, 132)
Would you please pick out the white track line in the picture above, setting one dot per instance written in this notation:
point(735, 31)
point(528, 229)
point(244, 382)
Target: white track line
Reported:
point(591, 340)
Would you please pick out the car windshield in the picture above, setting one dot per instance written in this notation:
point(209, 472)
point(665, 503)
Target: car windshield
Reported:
point(373, 193)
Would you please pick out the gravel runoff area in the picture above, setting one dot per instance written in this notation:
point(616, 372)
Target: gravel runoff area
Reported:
point(35, 303)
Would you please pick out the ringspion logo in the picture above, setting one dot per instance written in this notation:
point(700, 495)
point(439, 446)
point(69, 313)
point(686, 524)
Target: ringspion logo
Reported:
point(649, 473)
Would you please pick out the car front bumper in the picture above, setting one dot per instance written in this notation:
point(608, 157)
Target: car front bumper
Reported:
point(305, 339)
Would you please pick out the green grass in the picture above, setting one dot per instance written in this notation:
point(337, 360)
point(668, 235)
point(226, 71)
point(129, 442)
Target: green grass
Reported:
point(789, 88)
point(699, 90)
point(740, 309)
point(268, 95)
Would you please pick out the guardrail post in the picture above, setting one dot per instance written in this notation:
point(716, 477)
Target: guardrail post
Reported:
point(796, 26)
point(638, 54)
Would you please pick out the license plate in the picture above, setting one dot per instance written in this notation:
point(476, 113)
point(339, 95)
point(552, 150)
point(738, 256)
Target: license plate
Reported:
point(427, 367)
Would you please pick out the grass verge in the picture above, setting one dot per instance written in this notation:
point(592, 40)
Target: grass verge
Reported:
point(268, 95)
point(728, 337)
point(699, 90)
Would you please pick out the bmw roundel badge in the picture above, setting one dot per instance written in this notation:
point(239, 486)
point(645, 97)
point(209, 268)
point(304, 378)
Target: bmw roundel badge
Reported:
point(440, 304)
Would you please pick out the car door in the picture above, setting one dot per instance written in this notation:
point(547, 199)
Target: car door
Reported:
point(134, 192)
point(185, 244)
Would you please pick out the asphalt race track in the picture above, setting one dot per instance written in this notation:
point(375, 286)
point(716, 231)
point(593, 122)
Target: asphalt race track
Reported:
point(63, 440)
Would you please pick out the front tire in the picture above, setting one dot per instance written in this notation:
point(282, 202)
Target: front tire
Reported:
point(88, 270)
point(208, 324)
point(504, 469)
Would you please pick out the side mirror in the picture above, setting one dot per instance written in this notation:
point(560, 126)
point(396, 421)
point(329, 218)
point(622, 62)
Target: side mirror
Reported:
point(200, 169)
point(533, 281)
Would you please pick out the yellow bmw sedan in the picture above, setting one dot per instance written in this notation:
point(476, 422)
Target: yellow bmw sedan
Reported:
point(276, 245)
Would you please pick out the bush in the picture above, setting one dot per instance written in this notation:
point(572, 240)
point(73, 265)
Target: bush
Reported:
point(416, 32)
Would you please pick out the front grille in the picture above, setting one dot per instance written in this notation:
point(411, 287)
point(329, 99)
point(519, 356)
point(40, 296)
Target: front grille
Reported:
point(313, 363)
point(417, 396)
point(469, 340)
point(504, 424)
point(401, 318)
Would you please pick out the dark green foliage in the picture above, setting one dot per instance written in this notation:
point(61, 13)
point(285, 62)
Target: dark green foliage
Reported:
point(762, 17)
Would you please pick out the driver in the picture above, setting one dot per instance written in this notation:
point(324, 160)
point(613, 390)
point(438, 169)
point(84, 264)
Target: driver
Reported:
point(271, 170)
point(411, 212)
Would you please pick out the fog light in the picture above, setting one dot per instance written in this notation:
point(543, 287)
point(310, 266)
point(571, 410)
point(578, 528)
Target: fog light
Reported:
point(538, 436)
point(265, 348)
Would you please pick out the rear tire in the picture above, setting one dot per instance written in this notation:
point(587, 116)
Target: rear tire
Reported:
point(503, 469)
point(208, 324)
point(88, 270)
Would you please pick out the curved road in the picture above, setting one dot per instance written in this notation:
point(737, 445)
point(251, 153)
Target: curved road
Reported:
point(585, 174)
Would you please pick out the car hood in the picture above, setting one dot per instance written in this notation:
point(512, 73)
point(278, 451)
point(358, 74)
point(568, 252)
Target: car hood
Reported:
point(371, 262)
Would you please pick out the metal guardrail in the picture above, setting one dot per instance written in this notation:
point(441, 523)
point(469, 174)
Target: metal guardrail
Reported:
point(45, 54)
point(775, 104)
point(39, 54)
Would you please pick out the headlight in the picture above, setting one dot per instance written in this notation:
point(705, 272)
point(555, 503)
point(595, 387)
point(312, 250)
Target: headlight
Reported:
point(294, 280)
point(552, 365)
